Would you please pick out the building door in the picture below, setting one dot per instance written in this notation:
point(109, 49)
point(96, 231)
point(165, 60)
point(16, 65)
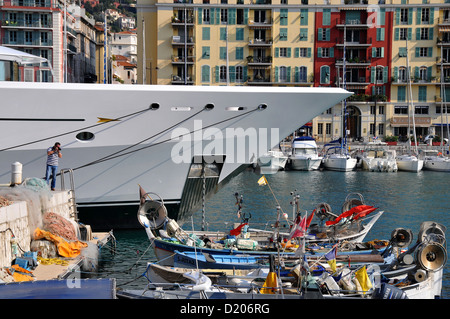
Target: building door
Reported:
point(353, 122)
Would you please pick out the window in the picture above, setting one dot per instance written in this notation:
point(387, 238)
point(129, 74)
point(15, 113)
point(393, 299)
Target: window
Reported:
point(401, 93)
point(283, 77)
point(402, 52)
point(206, 33)
point(326, 17)
point(320, 128)
point(303, 34)
point(223, 16)
point(28, 19)
point(223, 74)
point(325, 52)
point(421, 109)
point(426, 15)
point(422, 96)
point(305, 52)
point(303, 16)
point(283, 52)
point(404, 16)
point(223, 53)
point(328, 128)
point(422, 34)
point(424, 52)
point(378, 52)
point(239, 34)
point(240, 16)
point(380, 34)
point(379, 75)
point(205, 53)
point(323, 34)
point(302, 76)
point(45, 76)
point(12, 36)
point(28, 37)
point(239, 53)
point(325, 74)
point(381, 129)
point(402, 74)
point(283, 34)
point(239, 74)
point(423, 73)
point(44, 37)
point(223, 34)
point(206, 17)
point(283, 16)
point(401, 109)
point(403, 33)
point(259, 16)
point(380, 109)
point(205, 73)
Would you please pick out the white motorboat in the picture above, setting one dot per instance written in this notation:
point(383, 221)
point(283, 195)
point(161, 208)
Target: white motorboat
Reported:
point(162, 137)
point(305, 156)
point(378, 158)
point(272, 162)
point(409, 163)
point(435, 161)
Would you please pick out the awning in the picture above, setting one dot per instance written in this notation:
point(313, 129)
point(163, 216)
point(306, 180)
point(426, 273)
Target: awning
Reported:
point(8, 54)
point(354, 8)
point(444, 29)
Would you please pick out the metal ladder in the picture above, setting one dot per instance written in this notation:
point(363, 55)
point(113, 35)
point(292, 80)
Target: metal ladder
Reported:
point(72, 201)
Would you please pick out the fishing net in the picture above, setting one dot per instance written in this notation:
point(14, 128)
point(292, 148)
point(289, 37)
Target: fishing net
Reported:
point(58, 225)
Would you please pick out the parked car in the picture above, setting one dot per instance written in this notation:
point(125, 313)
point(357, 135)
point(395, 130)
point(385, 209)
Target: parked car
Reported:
point(429, 139)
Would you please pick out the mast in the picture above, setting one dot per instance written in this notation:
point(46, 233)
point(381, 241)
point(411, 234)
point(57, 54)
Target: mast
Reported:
point(410, 102)
point(344, 102)
point(144, 68)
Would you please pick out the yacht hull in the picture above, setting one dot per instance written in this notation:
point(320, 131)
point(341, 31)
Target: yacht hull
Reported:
point(117, 137)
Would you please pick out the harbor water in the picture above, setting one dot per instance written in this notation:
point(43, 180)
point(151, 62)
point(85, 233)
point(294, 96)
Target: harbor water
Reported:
point(407, 199)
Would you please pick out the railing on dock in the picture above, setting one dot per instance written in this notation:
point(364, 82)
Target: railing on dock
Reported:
point(73, 203)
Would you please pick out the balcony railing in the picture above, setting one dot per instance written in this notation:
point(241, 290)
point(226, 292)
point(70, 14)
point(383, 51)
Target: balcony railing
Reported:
point(178, 40)
point(30, 24)
point(260, 42)
point(29, 3)
point(181, 59)
point(22, 41)
point(176, 79)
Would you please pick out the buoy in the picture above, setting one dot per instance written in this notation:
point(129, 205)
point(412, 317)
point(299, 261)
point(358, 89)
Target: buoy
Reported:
point(16, 173)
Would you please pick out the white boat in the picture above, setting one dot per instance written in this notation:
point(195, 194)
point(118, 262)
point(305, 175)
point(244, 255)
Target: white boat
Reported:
point(435, 161)
point(409, 163)
point(116, 136)
point(378, 158)
point(337, 158)
point(272, 162)
point(305, 156)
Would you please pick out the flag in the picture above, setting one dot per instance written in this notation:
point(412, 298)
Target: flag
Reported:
point(262, 181)
point(363, 279)
point(331, 258)
point(270, 284)
point(237, 230)
point(142, 194)
point(364, 213)
point(310, 217)
point(299, 229)
point(354, 210)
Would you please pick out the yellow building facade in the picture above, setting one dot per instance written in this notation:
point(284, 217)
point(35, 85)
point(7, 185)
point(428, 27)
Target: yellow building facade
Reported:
point(276, 43)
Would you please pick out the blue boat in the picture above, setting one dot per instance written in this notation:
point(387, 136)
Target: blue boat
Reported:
point(217, 261)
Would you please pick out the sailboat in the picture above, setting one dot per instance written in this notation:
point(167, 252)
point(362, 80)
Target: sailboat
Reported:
point(409, 161)
point(437, 161)
point(337, 158)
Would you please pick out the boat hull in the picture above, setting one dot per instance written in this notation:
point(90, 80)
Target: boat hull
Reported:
point(305, 164)
point(437, 164)
point(409, 164)
point(116, 137)
point(341, 164)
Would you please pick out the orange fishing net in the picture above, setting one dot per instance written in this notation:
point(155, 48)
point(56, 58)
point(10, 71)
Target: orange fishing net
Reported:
point(66, 249)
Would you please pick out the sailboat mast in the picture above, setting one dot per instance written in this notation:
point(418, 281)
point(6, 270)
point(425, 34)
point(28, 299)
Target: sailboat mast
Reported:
point(344, 111)
point(410, 100)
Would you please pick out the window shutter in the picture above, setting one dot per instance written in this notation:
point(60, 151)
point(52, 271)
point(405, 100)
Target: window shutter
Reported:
point(288, 74)
point(410, 15)
point(200, 15)
point(396, 34)
point(232, 74)
point(409, 33)
point(372, 74)
point(417, 33)
point(319, 52)
point(309, 52)
point(296, 52)
point(319, 34)
point(418, 16)
point(217, 74)
point(211, 15)
point(232, 16)
point(385, 74)
point(296, 74)
point(304, 17)
point(331, 50)
point(397, 16)
point(288, 52)
point(430, 52)
point(246, 16)
point(430, 33)
point(277, 52)
point(276, 74)
point(395, 74)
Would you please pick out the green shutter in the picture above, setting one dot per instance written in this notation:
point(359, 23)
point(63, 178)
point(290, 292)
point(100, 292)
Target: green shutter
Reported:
point(223, 53)
point(200, 15)
point(410, 15)
point(296, 52)
point(374, 52)
point(417, 33)
point(409, 33)
point(205, 33)
point(417, 52)
point(309, 52)
point(319, 52)
point(217, 16)
point(385, 74)
point(296, 74)
point(327, 34)
point(288, 52)
point(432, 16)
point(418, 16)
point(246, 16)
point(429, 73)
point(303, 16)
point(401, 93)
point(331, 50)
point(283, 17)
point(416, 72)
point(396, 34)
point(319, 34)
point(430, 33)
point(397, 16)
point(430, 52)
point(277, 52)
point(245, 73)
point(205, 53)
point(232, 16)
point(276, 74)
point(372, 74)
point(232, 74)
point(326, 17)
point(211, 15)
point(395, 74)
point(223, 34)
point(382, 16)
point(217, 74)
point(382, 52)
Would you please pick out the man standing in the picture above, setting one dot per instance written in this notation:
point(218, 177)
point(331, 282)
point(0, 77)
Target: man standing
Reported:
point(53, 154)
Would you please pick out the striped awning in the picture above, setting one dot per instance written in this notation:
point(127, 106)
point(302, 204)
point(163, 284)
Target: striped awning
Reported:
point(354, 8)
point(444, 29)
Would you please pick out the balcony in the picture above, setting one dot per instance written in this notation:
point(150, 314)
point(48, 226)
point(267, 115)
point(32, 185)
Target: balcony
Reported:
point(353, 63)
point(259, 80)
point(258, 62)
point(351, 24)
point(23, 42)
point(26, 24)
point(181, 60)
point(181, 41)
point(176, 79)
point(28, 3)
point(266, 24)
point(177, 22)
point(256, 42)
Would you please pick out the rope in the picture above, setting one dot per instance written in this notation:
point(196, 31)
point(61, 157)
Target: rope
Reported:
point(74, 131)
point(113, 156)
point(52, 261)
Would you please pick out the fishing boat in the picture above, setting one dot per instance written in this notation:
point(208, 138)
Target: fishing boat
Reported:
point(271, 162)
point(112, 134)
point(305, 156)
point(416, 273)
point(167, 237)
point(378, 158)
point(204, 260)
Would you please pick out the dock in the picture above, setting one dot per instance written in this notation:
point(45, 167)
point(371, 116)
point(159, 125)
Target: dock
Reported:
point(44, 243)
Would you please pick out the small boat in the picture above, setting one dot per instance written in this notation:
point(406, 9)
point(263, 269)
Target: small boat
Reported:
point(305, 156)
point(204, 260)
point(409, 163)
point(337, 158)
point(378, 158)
point(435, 161)
point(271, 162)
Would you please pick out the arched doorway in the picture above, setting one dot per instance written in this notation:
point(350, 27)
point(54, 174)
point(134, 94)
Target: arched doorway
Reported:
point(353, 122)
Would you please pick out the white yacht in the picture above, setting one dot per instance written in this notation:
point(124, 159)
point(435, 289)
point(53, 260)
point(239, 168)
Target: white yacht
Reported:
point(271, 162)
point(116, 137)
point(378, 158)
point(434, 160)
point(337, 157)
point(305, 156)
point(409, 163)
